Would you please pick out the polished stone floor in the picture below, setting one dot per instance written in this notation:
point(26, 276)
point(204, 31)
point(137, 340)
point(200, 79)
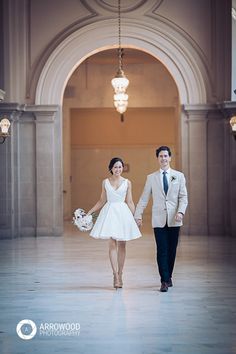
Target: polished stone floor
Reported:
point(56, 280)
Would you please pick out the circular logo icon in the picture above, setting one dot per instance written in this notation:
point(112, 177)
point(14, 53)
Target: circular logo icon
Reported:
point(26, 329)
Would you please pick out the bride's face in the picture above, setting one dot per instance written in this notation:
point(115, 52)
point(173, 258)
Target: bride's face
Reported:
point(117, 169)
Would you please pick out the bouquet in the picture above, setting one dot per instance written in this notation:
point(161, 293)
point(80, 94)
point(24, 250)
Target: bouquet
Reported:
point(83, 221)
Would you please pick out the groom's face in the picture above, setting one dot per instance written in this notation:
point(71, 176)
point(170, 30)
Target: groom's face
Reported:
point(164, 159)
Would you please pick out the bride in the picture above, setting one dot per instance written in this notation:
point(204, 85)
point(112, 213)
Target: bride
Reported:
point(115, 221)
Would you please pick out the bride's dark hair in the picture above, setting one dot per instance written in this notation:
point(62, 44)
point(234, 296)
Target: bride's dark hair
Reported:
point(112, 163)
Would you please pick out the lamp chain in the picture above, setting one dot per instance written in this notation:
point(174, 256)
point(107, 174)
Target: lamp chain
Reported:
point(120, 81)
point(120, 54)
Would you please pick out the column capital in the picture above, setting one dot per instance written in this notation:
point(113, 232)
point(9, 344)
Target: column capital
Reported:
point(199, 108)
point(41, 113)
point(202, 112)
point(198, 111)
point(228, 108)
point(12, 110)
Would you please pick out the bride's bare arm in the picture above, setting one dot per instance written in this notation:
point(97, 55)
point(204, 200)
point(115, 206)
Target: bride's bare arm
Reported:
point(129, 199)
point(101, 201)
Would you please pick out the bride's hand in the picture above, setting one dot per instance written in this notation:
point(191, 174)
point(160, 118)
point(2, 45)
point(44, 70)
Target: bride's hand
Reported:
point(139, 222)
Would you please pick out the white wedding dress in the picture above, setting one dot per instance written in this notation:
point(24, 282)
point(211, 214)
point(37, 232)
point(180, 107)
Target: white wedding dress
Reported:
point(115, 219)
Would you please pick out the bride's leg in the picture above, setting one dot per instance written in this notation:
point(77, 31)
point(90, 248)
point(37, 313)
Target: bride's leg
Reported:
point(121, 260)
point(113, 254)
point(113, 260)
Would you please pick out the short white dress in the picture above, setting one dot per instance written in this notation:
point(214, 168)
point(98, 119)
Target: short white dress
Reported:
point(115, 219)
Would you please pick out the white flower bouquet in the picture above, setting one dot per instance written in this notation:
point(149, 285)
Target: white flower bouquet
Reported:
point(83, 221)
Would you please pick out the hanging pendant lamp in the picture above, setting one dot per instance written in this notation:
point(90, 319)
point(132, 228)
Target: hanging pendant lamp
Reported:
point(120, 81)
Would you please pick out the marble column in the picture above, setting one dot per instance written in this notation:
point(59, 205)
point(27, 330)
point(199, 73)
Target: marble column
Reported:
point(217, 186)
point(228, 109)
point(196, 165)
point(9, 167)
point(31, 196)
point(49, 198)
point(206, 159)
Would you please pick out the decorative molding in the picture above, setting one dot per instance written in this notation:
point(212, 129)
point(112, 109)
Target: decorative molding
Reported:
point(183, 63)
point(196, 108)
point(184, 40)
point(34, 69)
point(228, 108)
point(205, 112)
point(228, 105)
point(10, 107)
point(15, 48)
point(27, 108)
point(126, 7)
point(2, 95)
point(41, 108)
point(42, 113)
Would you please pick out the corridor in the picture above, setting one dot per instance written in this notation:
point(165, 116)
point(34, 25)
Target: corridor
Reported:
point(68, 280)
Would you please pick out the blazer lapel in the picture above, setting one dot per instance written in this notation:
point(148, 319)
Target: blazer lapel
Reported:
point(172, 175)
point(158, 181)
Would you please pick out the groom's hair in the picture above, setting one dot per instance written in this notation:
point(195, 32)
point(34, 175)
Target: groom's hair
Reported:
point(161, 148)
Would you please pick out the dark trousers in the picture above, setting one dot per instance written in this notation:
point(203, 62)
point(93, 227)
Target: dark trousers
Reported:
point(166, 242)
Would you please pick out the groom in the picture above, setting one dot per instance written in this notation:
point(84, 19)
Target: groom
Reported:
point(170, 200)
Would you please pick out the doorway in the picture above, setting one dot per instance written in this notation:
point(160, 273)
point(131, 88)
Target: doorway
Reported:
point(93, 132)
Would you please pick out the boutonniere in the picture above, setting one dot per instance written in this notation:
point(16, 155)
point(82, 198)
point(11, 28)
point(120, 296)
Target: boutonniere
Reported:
point(173, 178)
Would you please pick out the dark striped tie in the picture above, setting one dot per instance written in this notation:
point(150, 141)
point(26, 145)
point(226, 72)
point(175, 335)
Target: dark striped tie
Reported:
point(165, 183)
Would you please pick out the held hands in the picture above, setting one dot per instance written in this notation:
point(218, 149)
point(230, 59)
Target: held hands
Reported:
point(179, 217)
point(139, 222)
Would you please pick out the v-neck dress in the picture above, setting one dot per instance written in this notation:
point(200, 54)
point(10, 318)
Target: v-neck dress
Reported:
point(115, 219)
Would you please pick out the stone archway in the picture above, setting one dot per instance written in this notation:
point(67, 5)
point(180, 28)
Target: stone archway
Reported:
point(182, 59)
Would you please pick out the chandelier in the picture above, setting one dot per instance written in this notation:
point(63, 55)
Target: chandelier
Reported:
point(233, 125)
point(4, 123)
point(4, 127)
point(120, 81)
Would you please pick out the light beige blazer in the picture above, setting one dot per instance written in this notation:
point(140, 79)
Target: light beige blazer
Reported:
point(164, 207)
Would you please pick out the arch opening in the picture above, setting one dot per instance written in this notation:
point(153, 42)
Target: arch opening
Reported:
point(184, 65)
point(94, 132)
point(183, 62)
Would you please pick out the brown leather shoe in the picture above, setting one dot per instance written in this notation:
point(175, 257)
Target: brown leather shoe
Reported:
point(164, 287)
point(169, 283)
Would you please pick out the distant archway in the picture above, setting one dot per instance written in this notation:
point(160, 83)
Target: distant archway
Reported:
point(182, 59)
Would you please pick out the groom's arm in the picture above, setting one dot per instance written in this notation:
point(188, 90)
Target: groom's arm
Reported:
point(143, 201)
point(183, 196)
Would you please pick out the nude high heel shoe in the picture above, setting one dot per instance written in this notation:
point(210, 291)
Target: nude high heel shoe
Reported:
point(120, 281)
point(115, 280)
